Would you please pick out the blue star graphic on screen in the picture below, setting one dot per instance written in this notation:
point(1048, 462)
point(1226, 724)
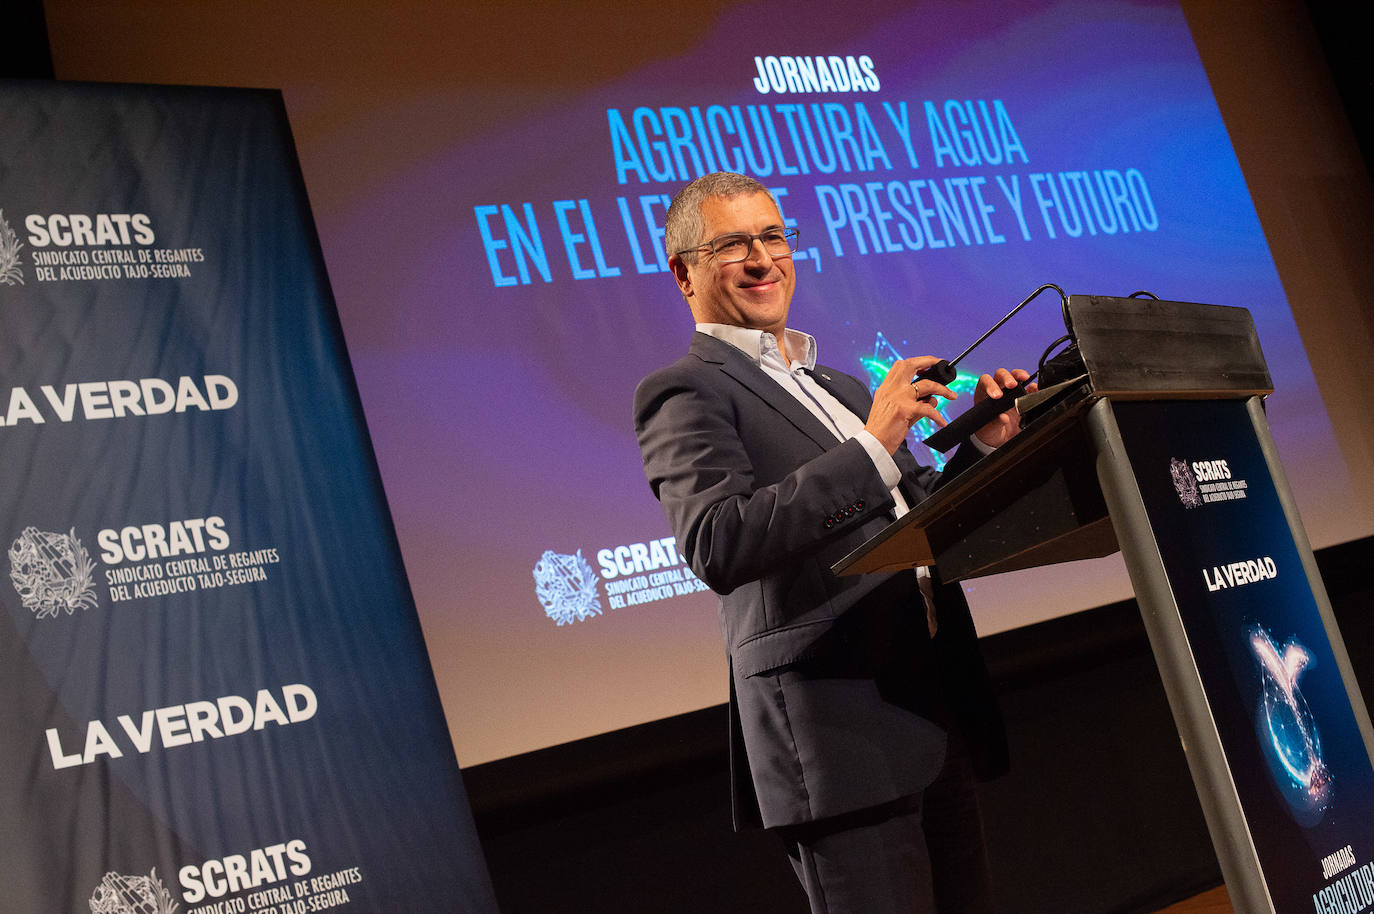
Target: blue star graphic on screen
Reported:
point(877, 366)
point(1287, 727)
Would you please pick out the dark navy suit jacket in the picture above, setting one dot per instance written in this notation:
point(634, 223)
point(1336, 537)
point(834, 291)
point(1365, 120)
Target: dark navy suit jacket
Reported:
point(833, 697)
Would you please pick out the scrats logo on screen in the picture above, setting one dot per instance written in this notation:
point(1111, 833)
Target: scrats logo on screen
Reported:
point(634, 573)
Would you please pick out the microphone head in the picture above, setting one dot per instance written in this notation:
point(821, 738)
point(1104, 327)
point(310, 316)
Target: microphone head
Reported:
point(941, 373)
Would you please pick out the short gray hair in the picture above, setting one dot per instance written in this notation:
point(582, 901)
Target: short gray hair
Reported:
point(682, 225)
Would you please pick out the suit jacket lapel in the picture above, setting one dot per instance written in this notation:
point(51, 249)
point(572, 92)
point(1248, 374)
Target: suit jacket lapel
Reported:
point(739, 366)
point(828, 378)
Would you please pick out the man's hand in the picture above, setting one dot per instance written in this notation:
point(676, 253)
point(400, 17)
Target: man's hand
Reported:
point(1002, 429)
point(899, 404)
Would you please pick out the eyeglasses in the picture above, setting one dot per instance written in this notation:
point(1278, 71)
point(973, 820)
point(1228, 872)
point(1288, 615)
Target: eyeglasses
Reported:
point(737, 246)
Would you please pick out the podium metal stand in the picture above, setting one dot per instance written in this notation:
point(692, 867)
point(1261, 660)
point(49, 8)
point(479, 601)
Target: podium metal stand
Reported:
point(1160, 448)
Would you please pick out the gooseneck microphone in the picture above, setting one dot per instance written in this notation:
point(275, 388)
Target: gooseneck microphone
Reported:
point(981, 413)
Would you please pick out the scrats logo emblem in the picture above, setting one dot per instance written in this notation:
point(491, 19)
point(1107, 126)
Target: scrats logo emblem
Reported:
point(566, 586)
point(632, 574)
point(52, 572)
point(10, 272)
point(1200, 482)
point(1184, 483)
point(118, 894)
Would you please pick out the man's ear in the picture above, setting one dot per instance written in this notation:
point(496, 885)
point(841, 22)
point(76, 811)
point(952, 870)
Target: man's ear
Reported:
point(684, 280)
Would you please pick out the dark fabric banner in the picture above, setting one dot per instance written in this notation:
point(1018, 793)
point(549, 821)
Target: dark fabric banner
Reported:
point(1280, 704)
point(214, 692)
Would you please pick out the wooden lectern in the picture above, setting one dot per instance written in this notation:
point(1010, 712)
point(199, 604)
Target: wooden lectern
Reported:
point(1158, 445)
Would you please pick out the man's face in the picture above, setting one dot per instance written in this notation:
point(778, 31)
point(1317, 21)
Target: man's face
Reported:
point(755, 292)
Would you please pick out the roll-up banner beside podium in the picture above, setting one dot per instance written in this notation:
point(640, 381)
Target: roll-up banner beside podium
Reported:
point(214, 691)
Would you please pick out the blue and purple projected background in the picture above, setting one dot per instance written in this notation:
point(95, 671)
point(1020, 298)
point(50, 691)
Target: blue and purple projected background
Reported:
point(488, 205)
point(990, 148)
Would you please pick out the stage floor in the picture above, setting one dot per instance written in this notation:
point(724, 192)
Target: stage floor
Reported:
point(1216, 901)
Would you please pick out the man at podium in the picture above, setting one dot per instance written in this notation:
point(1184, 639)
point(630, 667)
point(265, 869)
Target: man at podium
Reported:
point(860, 709)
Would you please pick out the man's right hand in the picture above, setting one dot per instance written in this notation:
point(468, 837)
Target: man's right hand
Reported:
point(899, 404)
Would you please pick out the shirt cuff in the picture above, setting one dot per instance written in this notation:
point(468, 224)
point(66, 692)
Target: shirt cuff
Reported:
point(977, 442)
point(882, 460)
